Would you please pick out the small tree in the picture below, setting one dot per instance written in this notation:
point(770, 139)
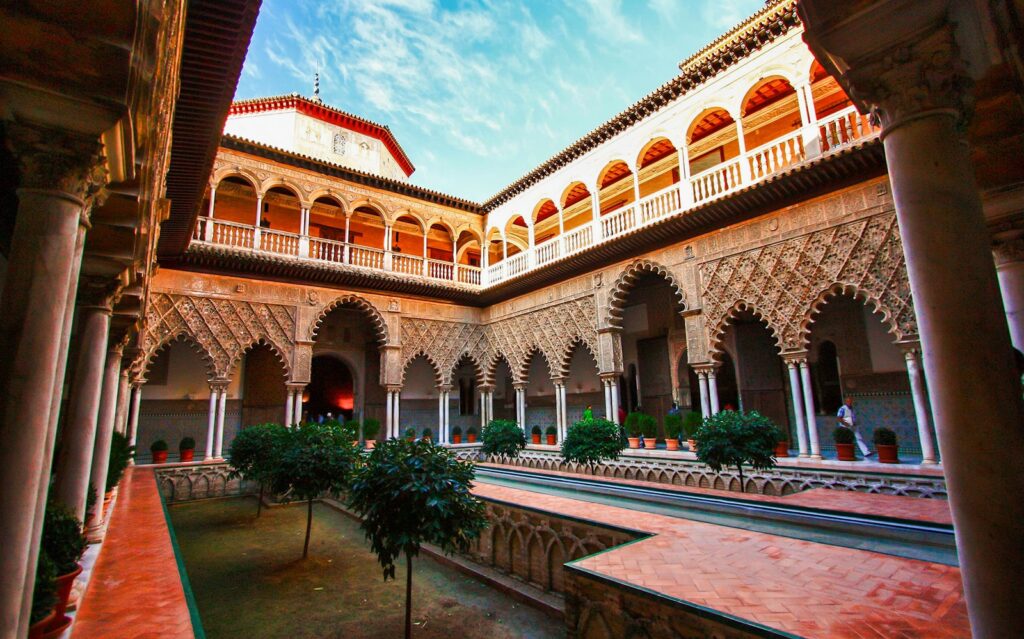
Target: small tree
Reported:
point(673, 425)
point(591, 441)
point(732, 438)
point(410, 493)
point(253, 455)
point(503, 437)
point(691, 424)
point(314, 459)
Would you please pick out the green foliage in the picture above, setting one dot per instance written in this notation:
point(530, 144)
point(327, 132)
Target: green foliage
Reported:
point(732, 438)
point(471, 430)
point(673, 425)
point(591, 441)
point(503, 437)
point(350, 429)
point(535, 430)
point(641, 424)
point(410, 433)
point(253, 453)
point(691, 423)
point(429, 434)
point(843, 435)
point(44, 596)
point(120, 456)
point(187, 443)
point(884, 437)
point(313, 459)
point(457, 431)
point(781, 435)
point(63, 541)
point(551, 430)
point(370, 428)
point(158, 446)
point(411, 493)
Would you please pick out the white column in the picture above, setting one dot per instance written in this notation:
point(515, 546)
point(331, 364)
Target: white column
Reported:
point(561, 233)
point(798, 406)
point(920, 395)
point(685, 188)
point(595, 212)
point(447, 414)
point(218, 450)
point(812, 423)
point(389, 425)
point(613, 385)
point(705, 401)
point(388, 243)
point(809, 128)
point(483, 408)
point(133, 422)
point(397, 399)
point(297, 405)
point(744, 162)
point(104, 435)
point(607, 399)
point(289, 406)
point(123, 395)
point(1009, 257)
point(211, 425)
point(490, 405)
point(347, 258)
point(426, 271)
point(304, 231)
point(713, 391)
point(208, 232)
point(259, 217)
point(442, 436)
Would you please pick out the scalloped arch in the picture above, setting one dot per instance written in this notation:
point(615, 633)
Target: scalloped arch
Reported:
point(849, 290)
point(438, 375)
point(377, 321)
point(279, 352)
point(185, 338)
point(717, 332)
point(627, 280)
point(565, 361)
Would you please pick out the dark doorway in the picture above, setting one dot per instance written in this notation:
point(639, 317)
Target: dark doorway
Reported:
point(331, 389)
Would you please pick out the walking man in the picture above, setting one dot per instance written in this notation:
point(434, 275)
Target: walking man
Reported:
point(847, 418)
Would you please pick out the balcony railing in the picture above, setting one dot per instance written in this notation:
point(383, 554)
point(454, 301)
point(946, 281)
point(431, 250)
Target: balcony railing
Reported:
point(829, 135)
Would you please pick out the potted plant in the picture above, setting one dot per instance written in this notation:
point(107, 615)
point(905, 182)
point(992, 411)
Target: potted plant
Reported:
point(186, 449)
point(673, 428)
point(44, 596)
point(844, 443)
point(64, 543)
point(691, 423)
point(457, 435)
point(550, 433)
point(410, 433)
point(649, 428)
point(782, 445)
point(535, 435)
point(886, 445)
point(471, 434)
point(633, 429)
point(428, 435)
point(159, 450)
point(733, 438)
point(370, 429)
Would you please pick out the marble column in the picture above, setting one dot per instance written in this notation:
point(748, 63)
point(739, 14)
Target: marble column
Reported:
point(606, 385)
point(73, 467)
point(447, 413)
point(713, 390)
point(133, 419)
point(211, 421)
point(298, 390)
point(104, 435)
point(614, 386)
point(389, 426)
point(222, 401)
point(123, 394)
point(919, 391)
point(521, 406)
point(559, 411)
point(289, 406)
point(58, 174)
point(1009, 254)
point(442, 408)
point(809, 412)
point(705, 400)
point(796, 392)
point(396, 411)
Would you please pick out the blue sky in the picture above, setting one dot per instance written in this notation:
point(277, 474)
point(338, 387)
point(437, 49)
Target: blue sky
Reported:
point(479, 92)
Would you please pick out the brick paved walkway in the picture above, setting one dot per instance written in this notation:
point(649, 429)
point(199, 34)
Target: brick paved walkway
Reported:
point(808, 589)
point(135, 591)
point(913, 508)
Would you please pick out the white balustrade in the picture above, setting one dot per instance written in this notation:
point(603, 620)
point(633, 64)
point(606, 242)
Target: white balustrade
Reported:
point(777, 155)
point(844, 129)
point(658, 205)
point(439, 269)
point(578, 239)
point(496, 273)
point(469, 274)
point(366, 257)
point(516, 265)
point(408, 264)
point(327, 250)
point(718, 180)
point(279, 242)
point(547, 251)
point(618, 222)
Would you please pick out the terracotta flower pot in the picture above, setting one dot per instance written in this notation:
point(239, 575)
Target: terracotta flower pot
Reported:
point(56, 627)
point(64, 584)
point(845, 452)
point(535, 438)
point(551, 440)
point(672, 444)
point(160, 457)
point(370, 443)
point(187, 455)
point(782, 449)
point(692, 443)
point(471, 437)
point(456, 439)
point(650, 443)
point(36, 630)
point(634, 442)
point(888, 453)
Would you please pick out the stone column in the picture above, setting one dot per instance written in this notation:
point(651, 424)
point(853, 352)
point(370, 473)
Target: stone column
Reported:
point(614, 386)
point(104, 434)
point(809, 412)
point(793, 366)
point(918, 390)
point(442, 434)
point(713, 390)
point(298, 390)
point(1009, 254)
point(289, 406)
point(389, 426)
point(607, 398)
point(521, 405)
point(123, 393)
point(909, 69)
point(211, 421)
point(559, 409)
point(75, 462)
point(133, 420)
point(705, 400)
point(563, 393)
point(397, 398)
point(447, 413)
point(222, 401)
point(59, 180)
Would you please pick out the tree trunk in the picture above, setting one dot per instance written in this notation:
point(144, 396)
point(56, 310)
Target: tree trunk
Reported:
point(408, 596)
point(259, 504)
point(309, 524)
point(739, 467)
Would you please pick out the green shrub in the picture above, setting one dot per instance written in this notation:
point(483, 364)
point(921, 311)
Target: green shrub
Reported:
point(843, 435)
point(691, 423)
point(673, 425)
point(471, 430)
point(551, 430)
point(350, 428)
point(591, 441)
point(535, 430)
point(158, 446)
point(253, 454)
point(503, 437)
point(63, 541)
point(732, 438)
point(44, 595)
point(457, 431)
point(370, 428)
point(187, 443)
point(428, 434)
point(884, 437)
point(120, 457)
point(633, 424)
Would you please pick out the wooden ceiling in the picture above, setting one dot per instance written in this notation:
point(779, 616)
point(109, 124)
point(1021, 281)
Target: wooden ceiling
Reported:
point(576, 193)
point(614, 173)
point(546, 210)
point(661, 148)
point(768, 93)
point(711, 122)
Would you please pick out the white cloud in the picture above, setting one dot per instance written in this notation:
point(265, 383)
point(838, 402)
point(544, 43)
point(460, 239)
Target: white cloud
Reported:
point(606, 21)
point(725, 14)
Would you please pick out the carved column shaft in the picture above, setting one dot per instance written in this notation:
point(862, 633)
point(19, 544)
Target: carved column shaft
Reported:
point(1009, 256)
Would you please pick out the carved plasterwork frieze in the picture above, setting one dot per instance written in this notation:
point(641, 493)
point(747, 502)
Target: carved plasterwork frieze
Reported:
point(786, 283)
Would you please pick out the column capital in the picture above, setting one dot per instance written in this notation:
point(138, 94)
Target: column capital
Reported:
point(707, 368)
point(794, 358)
point(520, 386)
point(391, 388)
point(911, 348)
point(485, 388)
point(295, 386)
point(558, 381)
point(444, 388)
point(1008, 251)
point(101, 293)
point(608, 377)
point(53, 159)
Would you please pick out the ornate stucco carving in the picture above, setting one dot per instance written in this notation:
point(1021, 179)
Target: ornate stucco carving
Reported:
point(627, 279)
point(786, 283)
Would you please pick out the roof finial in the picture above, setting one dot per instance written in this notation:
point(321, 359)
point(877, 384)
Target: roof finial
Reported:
point(316, 85)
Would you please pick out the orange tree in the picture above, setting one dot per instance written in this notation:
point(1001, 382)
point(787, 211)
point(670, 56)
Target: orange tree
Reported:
point(734, 438)
point(411, 492)
point(253, 454)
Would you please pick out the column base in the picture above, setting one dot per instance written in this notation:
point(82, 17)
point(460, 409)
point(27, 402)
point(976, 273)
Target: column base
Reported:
point(817, 457)
point(929, 462)
point(804, 456)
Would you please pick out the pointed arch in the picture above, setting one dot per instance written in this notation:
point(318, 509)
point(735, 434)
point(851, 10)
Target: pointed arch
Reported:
point(627, 280)
point(377, 321)
point(185, 338)
point(717, 332)
point(435, 367)
point(279, 352)
point(522, 370)
point(565, 359)
point(887, 315)
point(464, 358)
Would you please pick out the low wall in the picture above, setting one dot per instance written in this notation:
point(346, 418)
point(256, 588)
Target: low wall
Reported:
point(185, 482)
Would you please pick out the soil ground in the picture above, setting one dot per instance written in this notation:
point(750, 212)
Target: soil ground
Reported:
point(249, 580)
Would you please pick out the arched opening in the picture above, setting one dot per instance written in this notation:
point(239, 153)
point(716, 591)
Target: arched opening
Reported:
point(540, 394)
point(517, 235)
point(468, 249)
point(545, 221)
point(657, 166)
point(332, 389)
point(711, 140)
point(839, 124)
point(583, 387)
point(282, 210)
point(728, 389)
point(408, 245)
point(829, 386)
point(327, 219)
point(615, 187)
point(577, 206)
point(504, 393)
point(366, 235)
point(771, 127)
point(263, 387)
point(761, 375)
point(347, 336)
point(418, 400)
point(828, 96)
point(495, 247)
point(464, 403)
point(651, 330)
point(233, 215)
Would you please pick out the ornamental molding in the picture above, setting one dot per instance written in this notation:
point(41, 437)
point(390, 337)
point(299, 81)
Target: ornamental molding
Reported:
point(786, 284)
point(54, 159)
